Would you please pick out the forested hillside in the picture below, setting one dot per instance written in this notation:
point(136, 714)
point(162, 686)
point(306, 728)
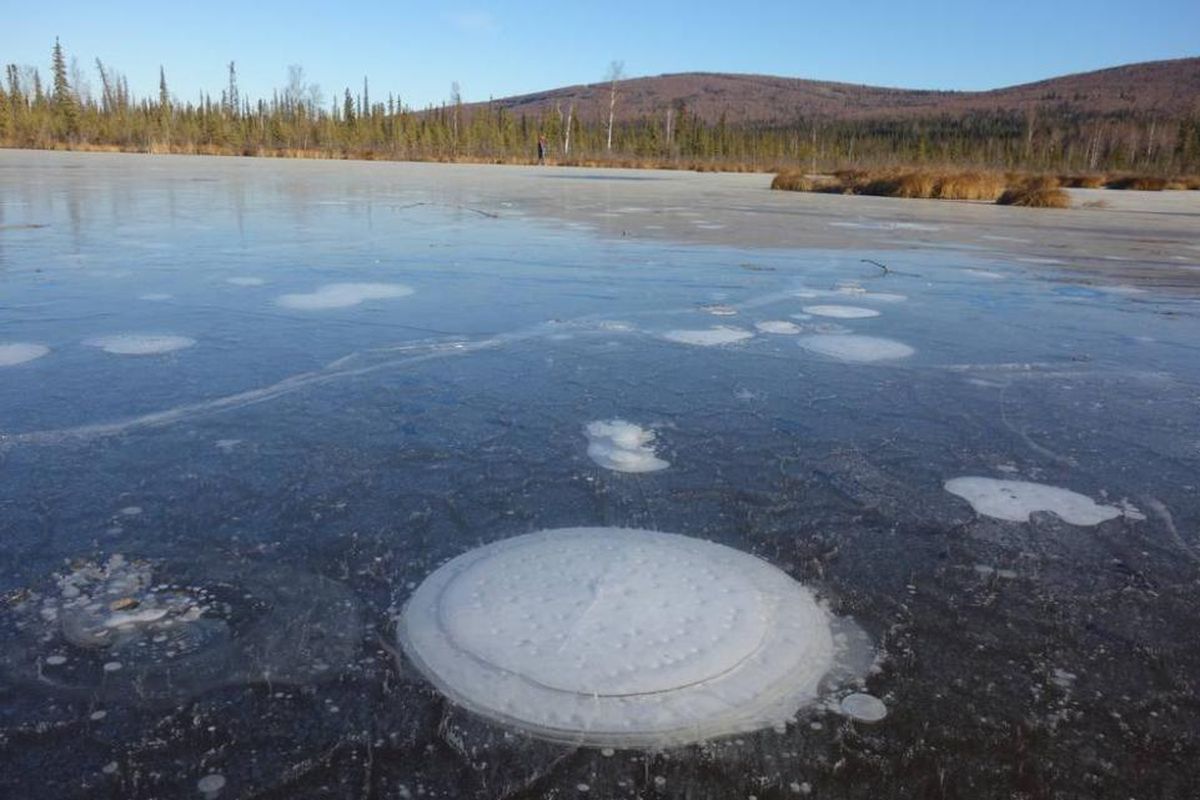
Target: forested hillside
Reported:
point(1143, 118)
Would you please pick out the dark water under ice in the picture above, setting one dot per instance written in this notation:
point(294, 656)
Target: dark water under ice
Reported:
point(300, 471)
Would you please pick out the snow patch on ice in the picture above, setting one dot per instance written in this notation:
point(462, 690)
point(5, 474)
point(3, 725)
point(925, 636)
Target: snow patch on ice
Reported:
point(1015, 501)
point(343, 295)
point(245, 281)
point(622, 446)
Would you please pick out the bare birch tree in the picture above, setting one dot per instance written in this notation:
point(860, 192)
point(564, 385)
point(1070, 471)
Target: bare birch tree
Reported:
point(616, 71)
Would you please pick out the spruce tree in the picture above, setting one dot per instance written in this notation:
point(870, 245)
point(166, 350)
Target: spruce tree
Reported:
point(64, 101)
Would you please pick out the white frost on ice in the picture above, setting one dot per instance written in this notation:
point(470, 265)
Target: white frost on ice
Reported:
point(617, 637)
point(862, 349)
point(245, 281)
point(1016, 500)
point(863, 707)
point(722, 334)
point(841, 312)
point(20, 353)
point(777, 326)
point(343, 295)
point(622, 446)
point(140, 344)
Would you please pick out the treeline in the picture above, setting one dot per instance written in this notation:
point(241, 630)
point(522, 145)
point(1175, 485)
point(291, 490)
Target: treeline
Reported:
point(298, 121)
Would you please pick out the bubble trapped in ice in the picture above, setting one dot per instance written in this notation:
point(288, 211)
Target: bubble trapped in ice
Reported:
point(863, 349)
point(841, 312)
point(135, 631)
point(140, 344)
point(20, 353)
point(711, 337)
point(622, 637)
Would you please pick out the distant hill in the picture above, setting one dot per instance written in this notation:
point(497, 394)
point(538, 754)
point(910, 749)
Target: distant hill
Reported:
point(1166, 88)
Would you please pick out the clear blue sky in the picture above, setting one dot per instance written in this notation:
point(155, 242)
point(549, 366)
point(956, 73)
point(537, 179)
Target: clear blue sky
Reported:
point(502, 48)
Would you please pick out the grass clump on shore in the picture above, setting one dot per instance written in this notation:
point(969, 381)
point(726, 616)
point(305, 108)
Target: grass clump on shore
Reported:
point(1013, 189)
point(964, 185)
point(1039, 192)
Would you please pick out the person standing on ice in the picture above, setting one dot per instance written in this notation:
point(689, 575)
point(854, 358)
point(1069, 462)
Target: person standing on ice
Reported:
point(541, 148)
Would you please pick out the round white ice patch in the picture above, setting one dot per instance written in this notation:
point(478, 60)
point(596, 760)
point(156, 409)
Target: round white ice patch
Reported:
point(841, 312)
point(779, 327)
point(613, 636)
point(722, 334)
point(845, 347)
point(863, 707)
point(1016, 500)
point(622, 446)
point(343, 295)
point(19, 353)
point(136, 344)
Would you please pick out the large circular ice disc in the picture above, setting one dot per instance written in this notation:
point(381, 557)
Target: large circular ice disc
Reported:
point(605, 614)
point(619, 637)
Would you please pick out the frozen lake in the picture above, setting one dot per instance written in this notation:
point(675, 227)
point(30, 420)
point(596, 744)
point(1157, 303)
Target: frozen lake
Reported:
point(281, 394)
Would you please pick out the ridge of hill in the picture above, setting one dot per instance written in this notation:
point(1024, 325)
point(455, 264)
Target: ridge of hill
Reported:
point(1169, 89)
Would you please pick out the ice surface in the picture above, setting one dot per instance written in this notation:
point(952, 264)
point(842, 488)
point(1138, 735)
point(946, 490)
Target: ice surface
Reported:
point(619, 636)
point(722, 334)
point(1016, 500)
point(140, 344)
point(848, 347)
point(622, 446)
point(20, 353)
point(381, 440)
point(343, 295)
point(841, 312)
point(245, 281)
point(155, 297)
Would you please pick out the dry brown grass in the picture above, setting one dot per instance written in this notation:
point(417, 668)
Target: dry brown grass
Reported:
point(793, 181)
point(1040, 192)
point(1085, 181)
point(1138, 183)
point(969, 185)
